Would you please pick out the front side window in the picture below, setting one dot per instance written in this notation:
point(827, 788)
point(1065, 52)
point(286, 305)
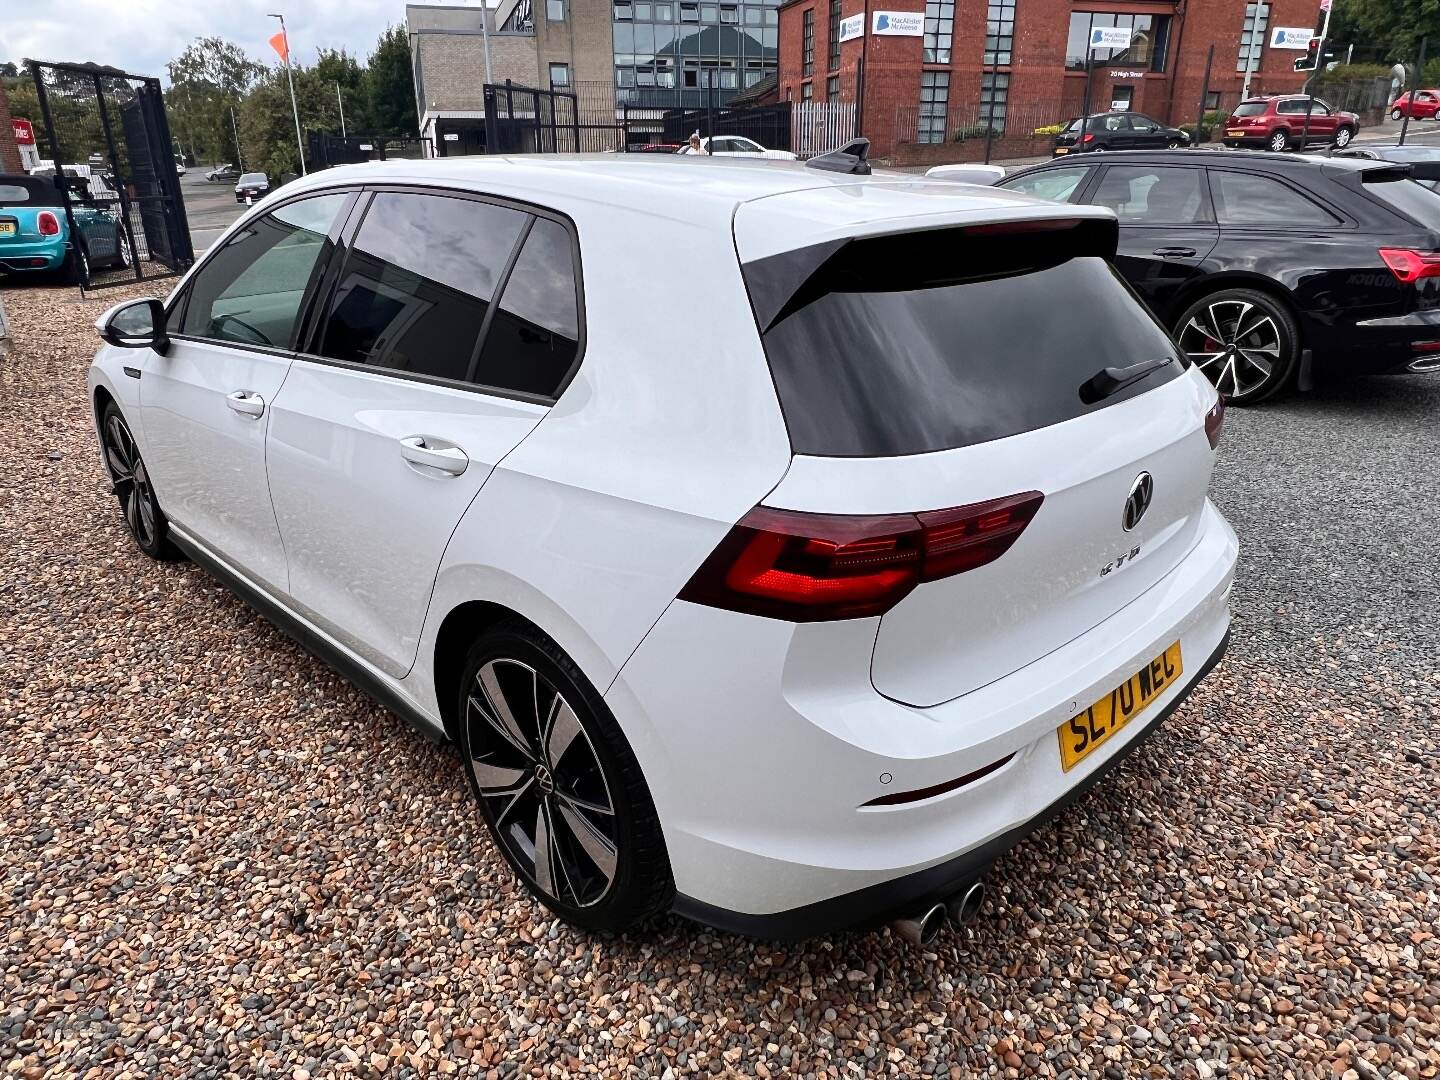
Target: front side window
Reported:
point(1247, 199)
point(417, 282)
point(251, 292)
point(1144, 195)
point(1057, 184)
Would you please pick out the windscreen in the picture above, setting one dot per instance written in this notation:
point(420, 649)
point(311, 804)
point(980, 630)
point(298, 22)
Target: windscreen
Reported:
point(936, 340)
point(1250, 108)
point(253, 178)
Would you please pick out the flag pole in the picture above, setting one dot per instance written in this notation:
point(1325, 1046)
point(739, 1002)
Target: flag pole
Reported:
point(294, 108)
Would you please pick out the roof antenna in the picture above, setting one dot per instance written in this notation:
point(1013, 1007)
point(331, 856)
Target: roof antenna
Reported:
point(849, 159)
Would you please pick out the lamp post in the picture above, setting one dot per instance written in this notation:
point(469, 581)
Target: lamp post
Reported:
point(294, 108)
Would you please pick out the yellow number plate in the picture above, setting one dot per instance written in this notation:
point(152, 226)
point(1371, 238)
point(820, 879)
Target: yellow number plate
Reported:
point(1235, 133)
point(1062, 149)
point(1092, 728)
point(7, 228)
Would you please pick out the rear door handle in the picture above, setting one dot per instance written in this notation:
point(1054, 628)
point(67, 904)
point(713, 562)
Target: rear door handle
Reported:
point(1174, 252)
point(245, 402)
point(434, 454)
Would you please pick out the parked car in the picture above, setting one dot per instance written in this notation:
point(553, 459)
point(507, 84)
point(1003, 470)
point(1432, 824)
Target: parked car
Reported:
point(736, 146)
point(1117, 131)
point(1279, 123)
point(1409, 154)
point(223, 172)
point(691, 613)
point(35, 233)
point(967, 173)
point(252, 187)
point(657, 148)
point(179, 165)
point(1427, 102)
point(1271, 269)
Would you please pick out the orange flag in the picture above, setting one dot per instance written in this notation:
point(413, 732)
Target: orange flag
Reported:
point(281, 46)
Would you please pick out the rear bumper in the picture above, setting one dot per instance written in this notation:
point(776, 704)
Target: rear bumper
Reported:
point(34, 255)
point(762, 743)
point(1380, 346)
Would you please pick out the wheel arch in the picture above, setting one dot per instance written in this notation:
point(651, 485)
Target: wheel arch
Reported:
point(1234, 279)
point(458, 630)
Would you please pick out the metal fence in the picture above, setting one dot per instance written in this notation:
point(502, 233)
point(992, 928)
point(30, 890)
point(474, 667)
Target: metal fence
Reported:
point(113, 156)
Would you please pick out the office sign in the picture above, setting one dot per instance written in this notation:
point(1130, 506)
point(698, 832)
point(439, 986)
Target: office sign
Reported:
point(1291, 37)
point(1109, 37)
point(24, 132)
point(899, 24)
point(852, 28)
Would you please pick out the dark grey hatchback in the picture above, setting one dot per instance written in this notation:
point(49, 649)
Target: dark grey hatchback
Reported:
point(1117, 131)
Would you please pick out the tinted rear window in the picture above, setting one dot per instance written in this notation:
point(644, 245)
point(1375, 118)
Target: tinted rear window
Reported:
point(1416, 200)
point(893, 347)
point(1250, 108)
point(28, 191)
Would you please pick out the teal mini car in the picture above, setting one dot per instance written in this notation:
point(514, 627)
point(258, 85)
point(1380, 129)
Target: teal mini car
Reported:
point(35, 232)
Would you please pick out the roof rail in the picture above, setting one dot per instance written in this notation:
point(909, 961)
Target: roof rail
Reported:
point(848, 159)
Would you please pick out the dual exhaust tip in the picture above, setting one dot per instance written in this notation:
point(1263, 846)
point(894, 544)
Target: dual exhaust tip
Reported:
point(1423, 364)
point(962, 909)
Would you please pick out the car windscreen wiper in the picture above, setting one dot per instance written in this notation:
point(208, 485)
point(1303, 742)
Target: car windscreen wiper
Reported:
point(1109, 380)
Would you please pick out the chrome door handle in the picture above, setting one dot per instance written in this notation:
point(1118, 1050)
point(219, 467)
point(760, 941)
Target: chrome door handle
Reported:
point(434, 454)
point(1175, 252)
point(245, 402)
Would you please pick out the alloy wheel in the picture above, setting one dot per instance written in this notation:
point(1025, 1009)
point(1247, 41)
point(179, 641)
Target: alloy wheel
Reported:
point(1342, 138)
point(131, 480)
point(1234, 343)
point(542, 783)
point(1279, 141)
point(124, 245)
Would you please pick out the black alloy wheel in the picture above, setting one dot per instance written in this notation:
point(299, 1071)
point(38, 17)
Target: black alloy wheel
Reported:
point(558, 785)
point(130, 480)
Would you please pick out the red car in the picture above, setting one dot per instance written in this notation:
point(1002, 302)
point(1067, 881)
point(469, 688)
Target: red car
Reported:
point(1278, 123)
point(1427, 103)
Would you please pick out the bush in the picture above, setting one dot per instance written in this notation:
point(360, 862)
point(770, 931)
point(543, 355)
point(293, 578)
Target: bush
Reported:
point(1050, 129)
point(975, 131)
point(1202, 134)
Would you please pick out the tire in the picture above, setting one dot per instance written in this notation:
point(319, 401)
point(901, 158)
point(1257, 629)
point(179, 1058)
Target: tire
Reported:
point(1343, 137)
point(124, 257)
point(1277, 141)
point(1260, 362)
point(76, 270)
point(139, 507)
point(1173, 144)
point(605, 871)
point(1396, 114)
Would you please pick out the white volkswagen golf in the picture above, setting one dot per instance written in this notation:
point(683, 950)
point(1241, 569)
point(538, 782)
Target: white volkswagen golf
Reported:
point(779, 545)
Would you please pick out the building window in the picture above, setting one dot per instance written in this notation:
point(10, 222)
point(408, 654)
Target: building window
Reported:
point(832, 88)
point(807, 92)
point(939, 26)
point(833, 38)
point(994, 89)
point(807, 42)
point(1212, 100)
point(729, 13)
point(999, 32)
point(1149, 40)
point(559, 75)
point(689, 13)
point(934, 99)
point(522, 20)
point(1252, 36)
point(555, 10)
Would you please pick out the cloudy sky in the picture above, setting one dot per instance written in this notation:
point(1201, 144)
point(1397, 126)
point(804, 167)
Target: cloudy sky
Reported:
point(141, 35)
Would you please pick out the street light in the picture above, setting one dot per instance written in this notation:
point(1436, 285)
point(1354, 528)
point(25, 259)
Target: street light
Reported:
point(294, 108)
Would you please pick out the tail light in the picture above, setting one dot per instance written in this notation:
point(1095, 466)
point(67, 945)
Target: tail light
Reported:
point(801, 567)
point(1410, 266)
point(1215, 422)
point(47, 223)
point(1089, 137)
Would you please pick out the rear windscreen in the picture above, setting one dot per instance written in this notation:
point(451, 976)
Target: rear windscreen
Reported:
point(1415, 199)
point(1250, 108)
point(936, 340)
point(28, 191)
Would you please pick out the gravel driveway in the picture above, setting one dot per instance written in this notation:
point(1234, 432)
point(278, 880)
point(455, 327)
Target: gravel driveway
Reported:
point(219, 859)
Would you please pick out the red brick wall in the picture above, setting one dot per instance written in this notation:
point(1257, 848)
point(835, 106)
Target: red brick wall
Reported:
point(9, 152)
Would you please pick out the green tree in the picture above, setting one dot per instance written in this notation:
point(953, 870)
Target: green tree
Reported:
point(267, 124)
point(1392, 28)
point(8, 70)
point(207, 80)
point(390, 85)
point(339, 68)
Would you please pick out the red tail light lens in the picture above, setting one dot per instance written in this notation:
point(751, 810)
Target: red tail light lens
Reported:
point(803, 567)
point(47, 223)
point(1089, 137)
point(1410, 266)
point(1215, 422)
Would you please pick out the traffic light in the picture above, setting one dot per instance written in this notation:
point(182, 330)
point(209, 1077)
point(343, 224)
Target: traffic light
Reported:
point(1311, 60)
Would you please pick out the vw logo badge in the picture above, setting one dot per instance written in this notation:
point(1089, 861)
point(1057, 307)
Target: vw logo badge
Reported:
point(1138, 501)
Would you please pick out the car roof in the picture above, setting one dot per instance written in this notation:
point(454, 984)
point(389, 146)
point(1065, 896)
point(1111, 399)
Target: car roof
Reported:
point(691, 188)
point(1249, 158)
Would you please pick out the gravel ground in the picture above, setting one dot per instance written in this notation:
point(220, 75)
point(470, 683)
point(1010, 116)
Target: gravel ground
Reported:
point(218, 859)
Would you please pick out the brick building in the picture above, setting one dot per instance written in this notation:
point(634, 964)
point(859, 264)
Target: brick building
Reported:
point(938, 73)
point(9, 149)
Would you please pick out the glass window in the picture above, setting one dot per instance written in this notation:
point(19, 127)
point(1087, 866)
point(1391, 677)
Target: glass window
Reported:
point(939, 31)
point(1057, 184)
point(929, 341)
point(416, 284)
point(689, 13)
point(999, 31)
point(729, 13)
point(252, 290)
point(1149, 40)
point(807, 42)
point(1247, 199)
point(934, 99)
point(1212, 100)
point(1252, 36)
point(624, 9)
point(535, 335)
point(555, 10)
point(559, 74)
point(1141, 194)
point(994, 92)
point(664, 13)
point(832, 37)
point(832, 88)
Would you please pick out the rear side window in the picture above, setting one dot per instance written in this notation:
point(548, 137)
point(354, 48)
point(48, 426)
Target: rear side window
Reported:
point(418, 281)
point(1248, 199)
point(941, 339)
point(1057, 184)
point(1145, 195)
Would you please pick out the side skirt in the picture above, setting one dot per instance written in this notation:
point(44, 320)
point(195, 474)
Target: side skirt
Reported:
point(309, 639)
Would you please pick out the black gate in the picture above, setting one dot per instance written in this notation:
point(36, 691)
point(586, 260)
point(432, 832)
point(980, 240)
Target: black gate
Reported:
point(109, 148)
point(768, 125)
point(526, 120)
point(326, 149)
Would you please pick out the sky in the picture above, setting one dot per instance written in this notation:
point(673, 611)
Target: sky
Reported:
point(142, 35)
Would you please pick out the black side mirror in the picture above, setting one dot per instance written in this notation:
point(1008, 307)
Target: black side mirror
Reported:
point(1425, 170)
point(135, 324)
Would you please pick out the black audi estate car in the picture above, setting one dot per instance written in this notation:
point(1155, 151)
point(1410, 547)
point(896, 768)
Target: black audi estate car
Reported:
point(1270, 269)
